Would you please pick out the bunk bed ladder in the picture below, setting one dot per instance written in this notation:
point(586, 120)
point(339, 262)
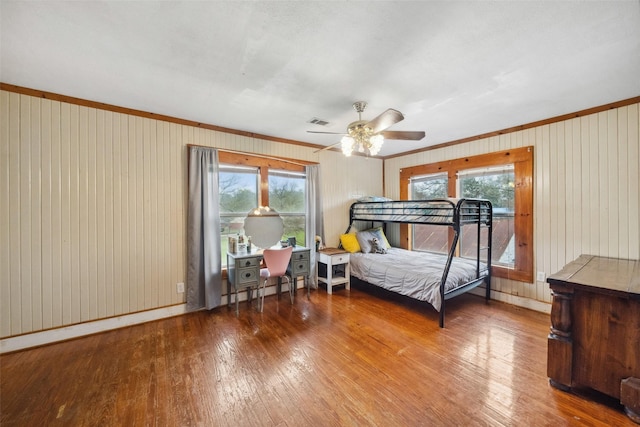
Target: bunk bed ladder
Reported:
point(489, 226)
point(480, 226)
point(445, 273)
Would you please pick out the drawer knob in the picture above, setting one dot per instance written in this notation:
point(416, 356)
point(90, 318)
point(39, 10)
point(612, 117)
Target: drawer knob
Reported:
point(247, 263)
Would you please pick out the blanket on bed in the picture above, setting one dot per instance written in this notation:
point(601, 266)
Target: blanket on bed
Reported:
point(414, 274)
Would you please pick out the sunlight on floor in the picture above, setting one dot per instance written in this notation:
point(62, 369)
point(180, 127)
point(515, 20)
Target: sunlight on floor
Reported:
point(495, 351)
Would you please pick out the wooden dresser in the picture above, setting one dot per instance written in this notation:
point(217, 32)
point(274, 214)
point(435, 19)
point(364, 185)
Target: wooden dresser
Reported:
point(595, 328)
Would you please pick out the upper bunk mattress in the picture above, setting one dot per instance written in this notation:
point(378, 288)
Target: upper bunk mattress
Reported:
point(414, 274)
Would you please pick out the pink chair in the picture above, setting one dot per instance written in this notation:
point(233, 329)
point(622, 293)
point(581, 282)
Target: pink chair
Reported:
point(277, 261)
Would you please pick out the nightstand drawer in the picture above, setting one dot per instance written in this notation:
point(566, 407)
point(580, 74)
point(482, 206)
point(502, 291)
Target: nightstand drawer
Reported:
point(339, 259)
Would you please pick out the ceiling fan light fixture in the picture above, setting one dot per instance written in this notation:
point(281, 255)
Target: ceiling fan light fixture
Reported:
point(347, 145)
point(363, 143)
point(376, 142)
point(361, 138)
point(367, 137)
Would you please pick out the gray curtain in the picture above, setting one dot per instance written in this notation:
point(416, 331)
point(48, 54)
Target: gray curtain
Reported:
point(204, 270)
point(315, 219)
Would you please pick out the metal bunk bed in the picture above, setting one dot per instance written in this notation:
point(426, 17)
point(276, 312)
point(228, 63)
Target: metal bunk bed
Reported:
point(452, 213)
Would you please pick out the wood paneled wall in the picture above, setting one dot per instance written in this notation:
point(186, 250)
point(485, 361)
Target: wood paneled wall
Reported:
point(586, 188)
point(93, 208)
point(93, 202)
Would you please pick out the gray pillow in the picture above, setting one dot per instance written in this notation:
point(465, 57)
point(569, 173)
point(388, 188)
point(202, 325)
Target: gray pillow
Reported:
point(365, 239)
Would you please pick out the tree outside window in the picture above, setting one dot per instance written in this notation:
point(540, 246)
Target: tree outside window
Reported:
point(287, 197)
point(238, 191)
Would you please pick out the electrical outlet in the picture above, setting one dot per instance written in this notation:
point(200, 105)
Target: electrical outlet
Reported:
point(180, 288)
point(541, 276)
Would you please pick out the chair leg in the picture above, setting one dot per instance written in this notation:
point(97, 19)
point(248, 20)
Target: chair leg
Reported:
point(291, 290)
point(237, 303)
point(264, 291)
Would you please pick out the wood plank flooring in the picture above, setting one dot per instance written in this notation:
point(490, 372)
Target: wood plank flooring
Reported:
point(342, 359)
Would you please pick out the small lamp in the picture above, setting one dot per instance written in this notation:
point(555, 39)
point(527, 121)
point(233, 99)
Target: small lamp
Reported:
point(264, 225)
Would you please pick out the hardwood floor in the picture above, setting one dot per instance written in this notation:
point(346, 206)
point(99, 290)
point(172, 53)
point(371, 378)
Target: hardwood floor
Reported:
point(342, 359)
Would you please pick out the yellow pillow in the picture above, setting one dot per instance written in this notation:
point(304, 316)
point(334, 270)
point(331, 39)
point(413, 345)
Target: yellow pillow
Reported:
point(350, 243)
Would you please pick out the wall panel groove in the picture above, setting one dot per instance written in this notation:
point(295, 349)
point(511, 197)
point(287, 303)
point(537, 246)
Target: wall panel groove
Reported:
point(93, 202)
point(586, 184)
point(93, 208)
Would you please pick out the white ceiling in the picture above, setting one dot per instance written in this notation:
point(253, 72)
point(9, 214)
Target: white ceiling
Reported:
point(455, 69)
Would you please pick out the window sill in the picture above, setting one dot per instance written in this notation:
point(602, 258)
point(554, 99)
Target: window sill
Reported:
point(512, 274)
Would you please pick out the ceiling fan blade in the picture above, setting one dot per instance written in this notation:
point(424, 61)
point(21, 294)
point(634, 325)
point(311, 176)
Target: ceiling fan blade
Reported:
point(331, 133)
point(400, 134)
point(328, 147)
point(385, 120)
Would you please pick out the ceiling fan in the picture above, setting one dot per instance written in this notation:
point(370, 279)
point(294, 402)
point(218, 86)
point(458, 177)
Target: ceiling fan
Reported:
point(368, 136)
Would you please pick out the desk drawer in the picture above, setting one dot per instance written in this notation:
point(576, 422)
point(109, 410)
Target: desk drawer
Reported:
point(247, 262)
point(247, 275)
point(300, 267)
point(300, 256)
point(299, 263)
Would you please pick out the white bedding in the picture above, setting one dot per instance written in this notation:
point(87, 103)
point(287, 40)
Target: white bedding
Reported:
point(414, 274)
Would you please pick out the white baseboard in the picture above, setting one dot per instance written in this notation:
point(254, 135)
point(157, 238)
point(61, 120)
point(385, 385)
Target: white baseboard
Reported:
point(519, 301)
point(50, 336)
point(64, 333)
point(36, 339)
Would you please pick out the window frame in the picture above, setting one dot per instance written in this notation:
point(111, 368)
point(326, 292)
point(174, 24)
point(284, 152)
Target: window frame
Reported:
point(264, 164)
point(522, 160)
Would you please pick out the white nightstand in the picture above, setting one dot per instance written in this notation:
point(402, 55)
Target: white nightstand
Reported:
point(332, 257)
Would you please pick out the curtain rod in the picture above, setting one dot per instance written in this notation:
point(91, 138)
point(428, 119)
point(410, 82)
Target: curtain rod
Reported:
point(256, 155)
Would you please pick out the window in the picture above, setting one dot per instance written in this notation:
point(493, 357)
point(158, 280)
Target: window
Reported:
point(495, 184)
point(238, 191)
point(247, 181)
point(287, 197)
point(505, 178)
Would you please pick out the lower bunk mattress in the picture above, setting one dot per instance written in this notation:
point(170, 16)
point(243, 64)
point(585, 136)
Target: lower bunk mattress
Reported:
point(415, 274)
